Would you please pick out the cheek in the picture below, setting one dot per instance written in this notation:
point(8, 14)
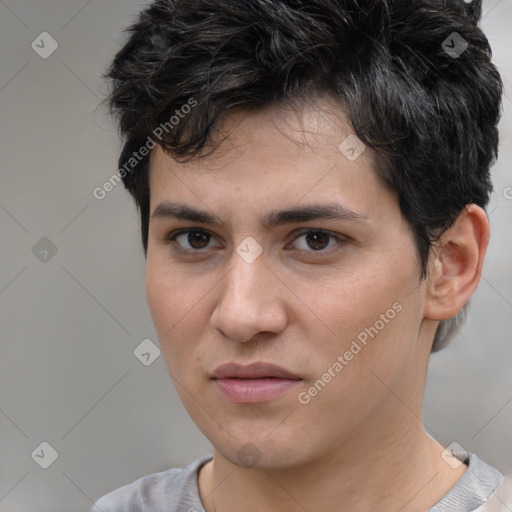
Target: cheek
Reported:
point(161, 303)
point(355, 369)
point(169, 293)
point(369, 314)
point(176, 303)
point(166, 302)
point(352, 299)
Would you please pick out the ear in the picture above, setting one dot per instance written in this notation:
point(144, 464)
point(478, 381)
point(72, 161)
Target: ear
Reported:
point(458, 259)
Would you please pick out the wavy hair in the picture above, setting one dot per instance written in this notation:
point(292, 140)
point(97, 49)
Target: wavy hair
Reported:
point(430, 115)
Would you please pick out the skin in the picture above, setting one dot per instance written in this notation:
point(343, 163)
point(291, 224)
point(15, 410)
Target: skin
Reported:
point(360, 443)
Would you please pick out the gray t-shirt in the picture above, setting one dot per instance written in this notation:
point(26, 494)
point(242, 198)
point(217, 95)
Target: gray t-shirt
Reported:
point(175, 490)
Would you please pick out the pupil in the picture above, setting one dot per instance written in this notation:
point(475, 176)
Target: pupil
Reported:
point(316, 239)
point(196, 238)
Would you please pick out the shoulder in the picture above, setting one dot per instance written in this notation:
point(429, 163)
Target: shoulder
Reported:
point(174, 487)
point(473, 490)
point(501, 499)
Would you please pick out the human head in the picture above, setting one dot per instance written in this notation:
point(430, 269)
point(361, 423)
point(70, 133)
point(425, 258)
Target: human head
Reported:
point(430, 117)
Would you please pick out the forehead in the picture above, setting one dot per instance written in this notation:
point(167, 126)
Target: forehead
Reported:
point(274, 156)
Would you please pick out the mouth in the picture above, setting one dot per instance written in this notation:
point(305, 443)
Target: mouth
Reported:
point(254, 383)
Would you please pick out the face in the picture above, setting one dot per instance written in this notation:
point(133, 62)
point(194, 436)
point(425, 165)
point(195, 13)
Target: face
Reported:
point(301, 260)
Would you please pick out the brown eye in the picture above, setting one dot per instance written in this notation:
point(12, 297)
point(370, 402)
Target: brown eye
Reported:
point(191, 239)
point(198, 239)
point(317, 241)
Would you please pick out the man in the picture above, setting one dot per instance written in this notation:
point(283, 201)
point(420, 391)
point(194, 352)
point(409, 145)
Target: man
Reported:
point(312, 179)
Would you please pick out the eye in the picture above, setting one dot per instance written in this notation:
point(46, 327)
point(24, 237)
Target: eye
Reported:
point(318, 240)
point(313, 240)
point(196, 239)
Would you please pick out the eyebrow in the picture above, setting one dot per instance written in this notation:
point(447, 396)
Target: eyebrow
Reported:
point(334, 211)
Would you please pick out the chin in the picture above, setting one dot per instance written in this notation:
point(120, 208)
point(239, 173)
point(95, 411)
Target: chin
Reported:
point(261, 452)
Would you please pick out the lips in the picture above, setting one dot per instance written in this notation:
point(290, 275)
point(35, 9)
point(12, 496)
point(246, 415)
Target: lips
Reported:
point(252, 371)
point(254, 383)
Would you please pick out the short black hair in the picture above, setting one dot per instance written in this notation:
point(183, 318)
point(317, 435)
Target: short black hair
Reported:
point(414, 76)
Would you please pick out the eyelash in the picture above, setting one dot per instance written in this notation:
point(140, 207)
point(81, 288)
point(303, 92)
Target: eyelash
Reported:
point(341, 240)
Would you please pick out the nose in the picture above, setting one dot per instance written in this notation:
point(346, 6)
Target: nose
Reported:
point(250, 302)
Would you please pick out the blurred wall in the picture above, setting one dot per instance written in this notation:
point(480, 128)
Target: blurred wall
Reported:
point(72, 302)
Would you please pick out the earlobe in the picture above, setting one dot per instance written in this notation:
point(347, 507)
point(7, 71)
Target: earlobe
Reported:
point(456, 264)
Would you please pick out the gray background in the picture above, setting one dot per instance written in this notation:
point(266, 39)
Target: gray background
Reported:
point(69, 325)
